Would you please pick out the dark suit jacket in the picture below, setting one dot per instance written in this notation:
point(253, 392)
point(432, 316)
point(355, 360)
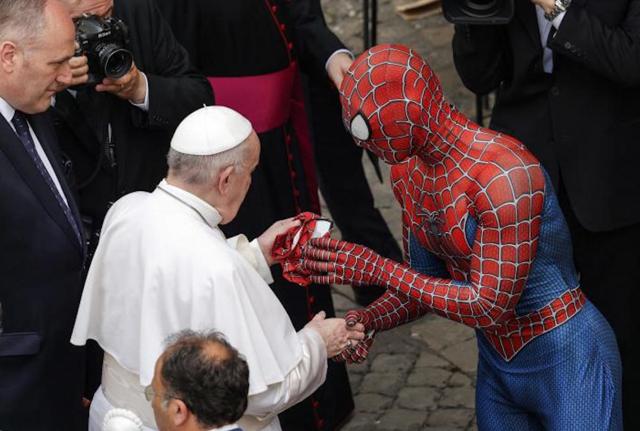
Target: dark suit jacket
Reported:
point(582, 121)
point(41, 373)
point(141, 139)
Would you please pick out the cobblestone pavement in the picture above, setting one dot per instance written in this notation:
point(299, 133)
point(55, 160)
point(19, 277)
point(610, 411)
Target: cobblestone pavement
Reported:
point(420, 376)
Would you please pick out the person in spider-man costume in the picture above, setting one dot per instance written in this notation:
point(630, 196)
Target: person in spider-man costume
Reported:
point(486, 245)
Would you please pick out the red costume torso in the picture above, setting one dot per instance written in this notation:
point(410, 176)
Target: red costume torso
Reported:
point(449, 172)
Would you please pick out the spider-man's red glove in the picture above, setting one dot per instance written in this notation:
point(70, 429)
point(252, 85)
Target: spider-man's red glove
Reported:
point(340, 262)
point(360, 351)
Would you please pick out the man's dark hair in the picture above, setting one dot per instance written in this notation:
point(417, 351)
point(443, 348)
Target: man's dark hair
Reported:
point(204, 371)
point(21, 20)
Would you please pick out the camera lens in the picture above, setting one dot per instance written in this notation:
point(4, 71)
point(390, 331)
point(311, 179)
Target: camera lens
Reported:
point(115, 61)
point(480, 8)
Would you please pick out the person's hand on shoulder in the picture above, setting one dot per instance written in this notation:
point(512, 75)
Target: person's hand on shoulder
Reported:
point(335, 332)
point(338, 66)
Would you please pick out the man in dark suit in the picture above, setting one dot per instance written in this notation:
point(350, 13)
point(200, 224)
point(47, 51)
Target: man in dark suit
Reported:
point(567, 75)
point(117, 133)
point(42, 256)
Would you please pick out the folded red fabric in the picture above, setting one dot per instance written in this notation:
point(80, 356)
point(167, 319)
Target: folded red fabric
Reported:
point(287, 248)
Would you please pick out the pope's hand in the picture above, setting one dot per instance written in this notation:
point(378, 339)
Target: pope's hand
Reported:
point(131, 87)
point(337, 335)
point(338, 66)
point(269, 236)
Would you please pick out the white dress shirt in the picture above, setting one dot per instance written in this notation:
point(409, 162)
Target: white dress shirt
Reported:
point(544, 26)
point(7, 112)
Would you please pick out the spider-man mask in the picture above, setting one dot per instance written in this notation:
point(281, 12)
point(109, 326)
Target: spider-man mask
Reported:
point(391, 101)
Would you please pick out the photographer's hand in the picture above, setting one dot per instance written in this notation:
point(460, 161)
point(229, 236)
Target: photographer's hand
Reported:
point(79, 70)
point(131, 87)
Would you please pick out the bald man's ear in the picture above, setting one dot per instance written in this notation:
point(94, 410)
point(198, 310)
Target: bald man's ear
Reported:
point(178, 412)
point(8, 56)
point(224, 179)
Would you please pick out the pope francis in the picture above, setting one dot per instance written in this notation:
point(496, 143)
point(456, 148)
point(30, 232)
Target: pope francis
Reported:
point(163, 265)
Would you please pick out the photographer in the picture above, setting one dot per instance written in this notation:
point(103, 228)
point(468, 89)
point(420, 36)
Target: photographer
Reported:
point(116, 133)
point(566, 75)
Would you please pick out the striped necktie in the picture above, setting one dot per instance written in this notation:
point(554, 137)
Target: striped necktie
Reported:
point(22, 130)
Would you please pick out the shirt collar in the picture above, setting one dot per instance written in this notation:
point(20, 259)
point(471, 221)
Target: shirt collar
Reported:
point(227, 428)
point(208, 213)
point(6, 110)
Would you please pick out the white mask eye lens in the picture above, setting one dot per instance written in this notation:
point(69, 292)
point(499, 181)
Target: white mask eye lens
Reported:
point(359, 127)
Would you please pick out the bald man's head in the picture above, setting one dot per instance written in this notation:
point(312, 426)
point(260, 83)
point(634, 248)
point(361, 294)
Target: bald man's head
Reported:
point(203, 371)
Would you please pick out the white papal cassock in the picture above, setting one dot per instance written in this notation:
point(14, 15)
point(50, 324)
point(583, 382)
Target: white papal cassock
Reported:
point(163, 265)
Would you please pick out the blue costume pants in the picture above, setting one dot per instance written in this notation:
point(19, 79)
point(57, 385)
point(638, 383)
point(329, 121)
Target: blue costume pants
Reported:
point(533, 391)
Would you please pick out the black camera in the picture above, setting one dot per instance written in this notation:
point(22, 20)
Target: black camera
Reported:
point(478, 12)
point(104, 41)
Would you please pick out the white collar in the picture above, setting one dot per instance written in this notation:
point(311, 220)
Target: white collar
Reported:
point(226, 428)
point(209, 214)
point(6, 110)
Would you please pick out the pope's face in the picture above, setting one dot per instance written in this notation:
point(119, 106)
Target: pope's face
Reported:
point(241, 178)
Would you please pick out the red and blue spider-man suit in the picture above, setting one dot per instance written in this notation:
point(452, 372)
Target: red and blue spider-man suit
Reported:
point(486, 245)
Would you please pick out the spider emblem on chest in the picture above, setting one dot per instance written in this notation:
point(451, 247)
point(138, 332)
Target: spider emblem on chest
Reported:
point(430, 222)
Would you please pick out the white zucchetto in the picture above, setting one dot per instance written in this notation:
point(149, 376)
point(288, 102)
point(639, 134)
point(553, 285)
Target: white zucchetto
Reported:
point(210, 130)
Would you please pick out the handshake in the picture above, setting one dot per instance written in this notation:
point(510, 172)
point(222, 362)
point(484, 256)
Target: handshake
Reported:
point(340, 336)
point(308, 254)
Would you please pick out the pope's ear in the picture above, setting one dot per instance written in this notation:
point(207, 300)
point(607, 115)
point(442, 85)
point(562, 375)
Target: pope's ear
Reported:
point(224, 179)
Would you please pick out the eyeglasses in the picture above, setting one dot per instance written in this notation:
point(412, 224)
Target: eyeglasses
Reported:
point(149, 393)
